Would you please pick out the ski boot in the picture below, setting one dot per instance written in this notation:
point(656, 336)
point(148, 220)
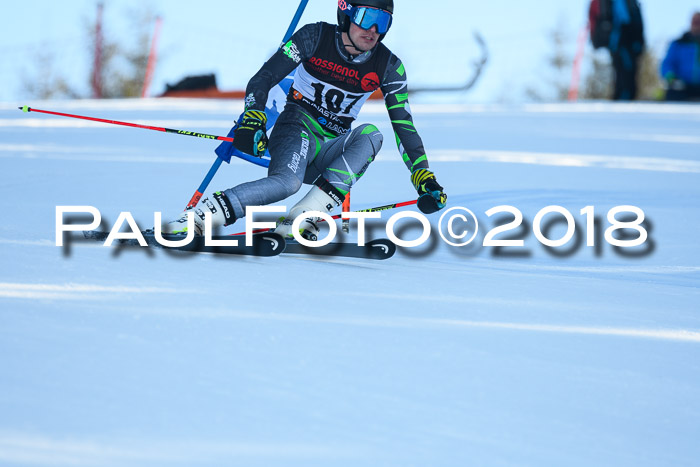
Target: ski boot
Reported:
point(218, 206)
point(323, 197)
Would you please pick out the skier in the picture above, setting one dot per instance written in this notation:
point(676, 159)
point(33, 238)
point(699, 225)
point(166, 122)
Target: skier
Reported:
point(337, 68)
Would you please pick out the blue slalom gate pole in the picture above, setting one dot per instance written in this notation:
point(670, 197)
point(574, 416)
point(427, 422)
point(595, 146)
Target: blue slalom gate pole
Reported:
point(295, 21)
point(217, 163)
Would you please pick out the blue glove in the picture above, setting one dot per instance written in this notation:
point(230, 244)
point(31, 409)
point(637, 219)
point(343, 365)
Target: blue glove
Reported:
point(431, 197)
point(250, 135)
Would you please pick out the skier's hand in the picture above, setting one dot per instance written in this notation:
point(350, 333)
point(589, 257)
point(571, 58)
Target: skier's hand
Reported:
point(672, 82)
point(250, 135)
point(431, 197)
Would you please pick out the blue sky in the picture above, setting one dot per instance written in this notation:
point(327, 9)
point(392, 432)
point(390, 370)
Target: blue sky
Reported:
point(233, 38)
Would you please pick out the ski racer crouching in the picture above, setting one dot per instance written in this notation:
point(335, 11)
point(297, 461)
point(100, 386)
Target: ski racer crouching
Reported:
point(337, 69)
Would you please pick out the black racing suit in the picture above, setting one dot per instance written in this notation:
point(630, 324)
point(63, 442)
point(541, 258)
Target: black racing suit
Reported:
point(312, 137)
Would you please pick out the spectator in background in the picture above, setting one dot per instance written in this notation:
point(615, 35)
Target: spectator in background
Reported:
point(626, 45)
point(617, 26)
point(681, 67)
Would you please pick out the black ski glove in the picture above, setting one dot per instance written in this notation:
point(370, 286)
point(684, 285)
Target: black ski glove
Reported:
point(431, 198)
point(250, 135)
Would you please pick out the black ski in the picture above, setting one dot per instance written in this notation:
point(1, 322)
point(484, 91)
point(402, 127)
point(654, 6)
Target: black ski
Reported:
point(380, 248)
point(264, 244)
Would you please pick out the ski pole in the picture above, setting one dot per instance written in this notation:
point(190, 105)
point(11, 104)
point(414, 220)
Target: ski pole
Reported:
point(133, 125)
point(386, 207)
point(382, 208)
point(346, 208)
point(195, 199)
point(217, 163)
point(253, 159)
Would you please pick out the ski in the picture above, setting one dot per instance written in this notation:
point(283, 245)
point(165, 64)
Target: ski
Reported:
point(380, 248)
point(264, 244)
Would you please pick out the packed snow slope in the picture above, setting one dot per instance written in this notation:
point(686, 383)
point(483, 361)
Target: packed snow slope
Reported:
point(581, 356)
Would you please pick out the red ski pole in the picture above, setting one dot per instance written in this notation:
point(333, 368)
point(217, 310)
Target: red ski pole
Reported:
point(133, 125)
point(338, 216)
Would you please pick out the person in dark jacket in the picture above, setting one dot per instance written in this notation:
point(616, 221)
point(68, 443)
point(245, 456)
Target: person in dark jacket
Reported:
point(681, 67)
point(626, 45)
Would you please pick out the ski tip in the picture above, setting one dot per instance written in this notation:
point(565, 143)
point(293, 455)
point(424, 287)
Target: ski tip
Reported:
point(25, 108)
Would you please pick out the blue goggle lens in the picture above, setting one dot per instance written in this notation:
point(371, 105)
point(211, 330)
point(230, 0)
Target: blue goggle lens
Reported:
point(366, 17)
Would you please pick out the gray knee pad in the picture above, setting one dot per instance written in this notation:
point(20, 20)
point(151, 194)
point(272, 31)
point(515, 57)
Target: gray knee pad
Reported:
point(371, 133)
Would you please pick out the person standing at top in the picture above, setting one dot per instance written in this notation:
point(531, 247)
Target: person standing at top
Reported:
point(681, 66)
point(618, 26)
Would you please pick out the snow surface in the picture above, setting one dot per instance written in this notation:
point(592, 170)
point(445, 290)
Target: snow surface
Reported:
point(445, 356)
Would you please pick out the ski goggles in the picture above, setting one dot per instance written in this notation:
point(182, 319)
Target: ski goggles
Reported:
point(366, 17)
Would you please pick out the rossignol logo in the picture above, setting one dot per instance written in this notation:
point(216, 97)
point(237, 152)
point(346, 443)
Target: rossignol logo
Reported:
point(335, 68)
point(370, 82)
point(290, 50)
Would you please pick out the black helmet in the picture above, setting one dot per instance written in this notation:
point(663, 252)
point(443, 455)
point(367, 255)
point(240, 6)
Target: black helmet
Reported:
point(344, 20)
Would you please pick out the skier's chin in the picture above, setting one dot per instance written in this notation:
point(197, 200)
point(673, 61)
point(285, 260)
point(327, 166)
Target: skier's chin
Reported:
point(366, 45)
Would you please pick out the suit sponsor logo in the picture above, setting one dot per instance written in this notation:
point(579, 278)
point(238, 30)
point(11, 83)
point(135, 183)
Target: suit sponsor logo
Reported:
point(249, 100)
point(291, 50)
point(340, 70)
point(298, 156)
point(370, 82)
